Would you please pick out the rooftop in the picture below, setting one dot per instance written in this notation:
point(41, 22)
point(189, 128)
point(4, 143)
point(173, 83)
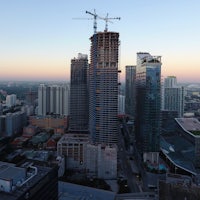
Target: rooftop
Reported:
point(37, 155)
point(14, 173)
point(191, 125)
point(179, 151)
point(72, 191)
point(82, 138)
point(48, 117)
point(137, 196)
point(8, 172)
point(148, 58)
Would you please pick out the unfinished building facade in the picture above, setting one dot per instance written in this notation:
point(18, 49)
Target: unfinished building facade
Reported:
point(103, 87)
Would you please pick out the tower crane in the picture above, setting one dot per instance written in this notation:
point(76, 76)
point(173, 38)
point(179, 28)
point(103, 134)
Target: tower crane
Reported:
point(95, 20)
point(107, 19)
point(95, 17)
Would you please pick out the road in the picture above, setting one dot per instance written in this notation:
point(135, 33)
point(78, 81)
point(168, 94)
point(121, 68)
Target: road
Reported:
point(132, 181)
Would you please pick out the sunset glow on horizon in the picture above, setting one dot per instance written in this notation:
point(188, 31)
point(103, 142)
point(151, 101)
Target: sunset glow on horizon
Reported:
point(38, 39)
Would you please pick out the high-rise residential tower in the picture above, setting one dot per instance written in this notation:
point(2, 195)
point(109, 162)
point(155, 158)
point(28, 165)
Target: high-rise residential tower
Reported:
point(53, 99)
point(173, 96)
point(43, 99)
point(11, 100)
point(79, 94)
point(148, 119)
point(130, 90)
point(103, 87)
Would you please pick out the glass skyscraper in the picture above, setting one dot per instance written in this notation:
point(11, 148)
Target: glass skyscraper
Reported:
point(148, 119)
point(130, 90)
point(78, 120)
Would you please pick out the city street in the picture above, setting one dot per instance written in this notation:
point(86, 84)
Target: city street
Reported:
point(132, 181)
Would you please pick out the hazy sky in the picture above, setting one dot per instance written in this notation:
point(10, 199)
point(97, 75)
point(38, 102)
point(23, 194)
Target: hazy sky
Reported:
point(38, 38)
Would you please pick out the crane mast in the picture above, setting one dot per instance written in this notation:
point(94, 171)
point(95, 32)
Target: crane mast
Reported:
point(95, 20)
point(106, 19)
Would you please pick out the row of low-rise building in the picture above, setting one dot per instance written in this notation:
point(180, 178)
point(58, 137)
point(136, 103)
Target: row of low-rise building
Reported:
point(12, 123)
point(34, 136)
point(49, 121)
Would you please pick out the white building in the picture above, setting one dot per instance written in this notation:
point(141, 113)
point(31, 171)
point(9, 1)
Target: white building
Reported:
point(53, 99)
point(173, 96)
point(71, 146)
point(97, 160)
point(11, 100)
point(43, 99)
point(101, 161)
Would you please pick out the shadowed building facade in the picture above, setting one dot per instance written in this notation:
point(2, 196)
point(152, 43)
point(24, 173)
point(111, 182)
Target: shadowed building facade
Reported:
point(79, 94)
point(148, 120)
point(130, 90)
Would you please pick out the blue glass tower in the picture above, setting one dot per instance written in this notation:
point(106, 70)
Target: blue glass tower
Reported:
point(148, 89)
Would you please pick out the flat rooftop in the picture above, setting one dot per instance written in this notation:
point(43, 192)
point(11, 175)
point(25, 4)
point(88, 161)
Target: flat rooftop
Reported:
point(189, 124)
point(70, 191)
point(80, 138)
point(8, 172)
point(137, 196)
point(42, 171)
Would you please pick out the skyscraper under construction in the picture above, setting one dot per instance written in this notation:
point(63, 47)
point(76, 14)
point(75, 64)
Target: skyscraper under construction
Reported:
point(103, 87)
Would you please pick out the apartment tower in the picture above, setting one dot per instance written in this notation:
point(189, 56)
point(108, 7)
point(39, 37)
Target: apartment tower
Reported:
point(79, 94)
point(173, 96)
point(53, 99)
point(43, 99)
point(103, 87)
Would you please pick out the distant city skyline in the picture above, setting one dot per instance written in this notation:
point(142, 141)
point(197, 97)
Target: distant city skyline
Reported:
point(38, 38)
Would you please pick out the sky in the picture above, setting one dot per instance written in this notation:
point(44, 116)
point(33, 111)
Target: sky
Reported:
point(38, 38)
